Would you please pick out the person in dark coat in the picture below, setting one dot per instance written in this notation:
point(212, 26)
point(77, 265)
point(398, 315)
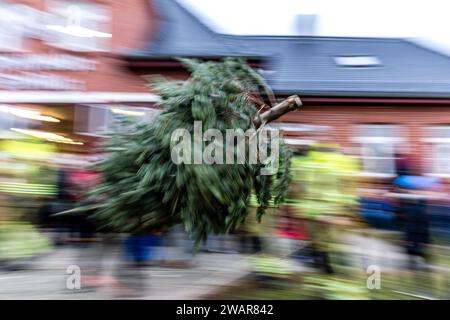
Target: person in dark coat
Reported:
point(413, 212)
point(413, 196)
point(403, 165)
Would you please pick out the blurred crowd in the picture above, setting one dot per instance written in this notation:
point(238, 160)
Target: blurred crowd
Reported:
point(331, 207)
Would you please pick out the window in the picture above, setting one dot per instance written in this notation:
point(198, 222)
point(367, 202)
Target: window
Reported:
point(8, 121)
point(309, 132)
point(138, 114)
point(13, 25)
point(439, 139)
point(357, 61)
point(378, 143)
point(297, 127)
point(78, 26)
point(96, 120)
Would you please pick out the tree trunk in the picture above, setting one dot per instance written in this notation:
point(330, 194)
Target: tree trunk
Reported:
point(290, 104)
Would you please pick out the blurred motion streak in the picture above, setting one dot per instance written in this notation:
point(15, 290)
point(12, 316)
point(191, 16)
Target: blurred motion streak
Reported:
point(370, 167)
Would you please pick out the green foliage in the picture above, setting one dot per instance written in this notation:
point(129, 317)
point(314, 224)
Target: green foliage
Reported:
point(142, 189)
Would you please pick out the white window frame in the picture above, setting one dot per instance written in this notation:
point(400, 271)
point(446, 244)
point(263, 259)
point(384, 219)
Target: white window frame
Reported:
point(357, 61)
point(436, 142)
point(107, 112)
point(297, 127)
point(367, 140)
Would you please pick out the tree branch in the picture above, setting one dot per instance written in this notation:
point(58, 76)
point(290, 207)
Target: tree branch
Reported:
point(257, 100)
point(290, 104)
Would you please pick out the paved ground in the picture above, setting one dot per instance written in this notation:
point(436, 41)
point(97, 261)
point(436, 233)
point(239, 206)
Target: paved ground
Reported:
point(45, 278)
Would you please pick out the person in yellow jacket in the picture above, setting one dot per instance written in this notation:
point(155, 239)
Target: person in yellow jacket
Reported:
point(24, 182)
point(324, 192)
point(24, 169)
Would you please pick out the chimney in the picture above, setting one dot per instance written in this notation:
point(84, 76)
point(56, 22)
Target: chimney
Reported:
point(306, 24)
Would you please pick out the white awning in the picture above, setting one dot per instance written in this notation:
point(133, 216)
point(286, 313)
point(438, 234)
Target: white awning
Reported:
point(74, 97)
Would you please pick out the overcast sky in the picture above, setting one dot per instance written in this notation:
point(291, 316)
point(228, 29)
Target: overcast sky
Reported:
point(428, 20)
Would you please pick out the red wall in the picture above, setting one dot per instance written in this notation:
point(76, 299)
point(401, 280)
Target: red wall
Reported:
point(342, 119)
point(132, 27)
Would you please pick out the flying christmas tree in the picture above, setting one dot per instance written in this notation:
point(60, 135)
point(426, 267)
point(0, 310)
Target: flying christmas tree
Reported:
point(143, 189)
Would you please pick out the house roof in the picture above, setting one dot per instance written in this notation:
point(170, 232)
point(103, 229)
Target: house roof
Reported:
point(180, 33)
point(307, 65)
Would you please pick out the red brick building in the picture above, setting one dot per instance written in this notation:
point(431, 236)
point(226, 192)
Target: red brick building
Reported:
point(63, 59)
point(375, 97)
